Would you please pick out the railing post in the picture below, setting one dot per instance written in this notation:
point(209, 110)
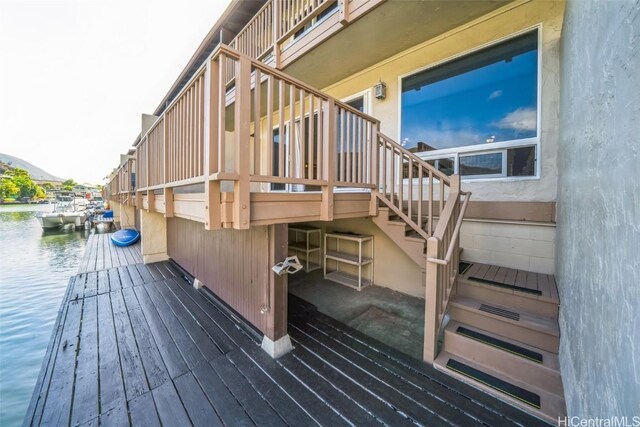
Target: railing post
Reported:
point(454, 185)
point(277, 23)
point(242, 116)
point(212, 220)
point(373, 168)
point(431, 302)
point(329, 160)
point(344, 11)
point(168, 191)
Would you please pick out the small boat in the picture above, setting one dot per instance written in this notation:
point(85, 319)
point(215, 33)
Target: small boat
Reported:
point(125, 237)
point(64, 213)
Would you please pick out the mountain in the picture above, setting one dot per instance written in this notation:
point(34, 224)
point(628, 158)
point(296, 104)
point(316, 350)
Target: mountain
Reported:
point(35, 172)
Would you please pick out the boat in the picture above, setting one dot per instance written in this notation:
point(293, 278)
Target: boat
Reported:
point(66, 212)
point(125, 237)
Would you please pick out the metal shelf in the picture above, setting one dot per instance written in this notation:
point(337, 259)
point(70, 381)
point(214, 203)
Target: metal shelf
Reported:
point(354, 247)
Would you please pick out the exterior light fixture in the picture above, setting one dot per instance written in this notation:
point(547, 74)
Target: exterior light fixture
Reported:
point(380, 90)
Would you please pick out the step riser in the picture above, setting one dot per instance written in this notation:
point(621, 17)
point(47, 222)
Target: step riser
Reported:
point(502, 361)
point(413, 249)
point(549, 412)
point(509, 330)
point(487, 294)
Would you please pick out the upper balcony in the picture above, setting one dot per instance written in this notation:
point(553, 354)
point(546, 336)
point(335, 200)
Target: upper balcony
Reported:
point(302, 37)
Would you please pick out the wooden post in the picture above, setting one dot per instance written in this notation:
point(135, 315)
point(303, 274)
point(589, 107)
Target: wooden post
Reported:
point(212, 220)
point(168, 202)
point(431, 302)
point(277, 22)
point(329, 160)
point(278, 236)
point(373, 168)
point(151, 201)
point(344, 12)
point(241, 188)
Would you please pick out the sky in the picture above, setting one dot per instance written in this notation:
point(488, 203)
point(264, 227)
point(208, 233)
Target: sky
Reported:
point(75, 76)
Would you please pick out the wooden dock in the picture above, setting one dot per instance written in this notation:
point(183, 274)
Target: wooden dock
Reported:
point(136, 344)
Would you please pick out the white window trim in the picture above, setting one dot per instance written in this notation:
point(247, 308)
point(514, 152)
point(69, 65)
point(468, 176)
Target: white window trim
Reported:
point(453, 152)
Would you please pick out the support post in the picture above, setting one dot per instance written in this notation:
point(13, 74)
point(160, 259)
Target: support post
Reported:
point(151, 201)
point(241, 188)
point(153, 237)
point(168, 202)
point(212, 220)
point(329, 160)
point(276, 341)
point(431, 303)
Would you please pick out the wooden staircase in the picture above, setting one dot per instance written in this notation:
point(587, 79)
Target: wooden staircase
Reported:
point(502, 334)
point(503, 337)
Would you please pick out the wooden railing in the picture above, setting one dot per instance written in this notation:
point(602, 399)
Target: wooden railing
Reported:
point(257, 126)
point(295, 14)
point(430, 203)
point(256, 38)
point(407, 183)
point(443, 258)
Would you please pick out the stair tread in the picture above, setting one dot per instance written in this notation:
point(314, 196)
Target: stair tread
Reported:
point(528, 320)
point(549, 360)
point(551, 405)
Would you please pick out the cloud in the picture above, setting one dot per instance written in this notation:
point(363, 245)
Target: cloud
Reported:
point(495, 94)
point(522, 119)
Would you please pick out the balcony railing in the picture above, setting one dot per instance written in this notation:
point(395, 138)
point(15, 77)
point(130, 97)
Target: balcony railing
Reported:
point(259, 130)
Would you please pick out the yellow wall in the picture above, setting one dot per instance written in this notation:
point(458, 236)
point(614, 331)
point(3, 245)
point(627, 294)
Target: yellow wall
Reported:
point(392, 267)
point(503, 23)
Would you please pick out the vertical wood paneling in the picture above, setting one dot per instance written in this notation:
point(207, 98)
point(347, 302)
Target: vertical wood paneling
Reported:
point(234, 264)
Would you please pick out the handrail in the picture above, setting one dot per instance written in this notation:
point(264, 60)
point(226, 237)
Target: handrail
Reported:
point(456, 231)
point(416, 159)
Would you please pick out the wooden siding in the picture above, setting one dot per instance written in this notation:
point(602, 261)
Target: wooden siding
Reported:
point(235, 265)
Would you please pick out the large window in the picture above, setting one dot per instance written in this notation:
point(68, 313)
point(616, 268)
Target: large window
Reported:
point(477, 115)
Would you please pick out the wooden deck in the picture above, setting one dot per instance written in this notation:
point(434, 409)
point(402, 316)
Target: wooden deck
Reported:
point(138, 345)
point(101, 254)
point(543, 286)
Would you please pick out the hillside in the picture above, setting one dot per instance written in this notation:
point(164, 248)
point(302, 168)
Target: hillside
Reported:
point(35, 172)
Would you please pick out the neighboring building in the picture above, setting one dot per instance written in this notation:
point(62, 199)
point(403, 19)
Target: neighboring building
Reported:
point(293, 112)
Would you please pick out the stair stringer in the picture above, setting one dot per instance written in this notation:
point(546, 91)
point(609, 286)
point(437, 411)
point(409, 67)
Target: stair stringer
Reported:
point(395, 230)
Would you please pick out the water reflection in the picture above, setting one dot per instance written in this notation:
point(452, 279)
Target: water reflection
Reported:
point(35, 267)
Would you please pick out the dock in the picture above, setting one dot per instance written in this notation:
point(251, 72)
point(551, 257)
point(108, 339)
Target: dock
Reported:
point(138, 345)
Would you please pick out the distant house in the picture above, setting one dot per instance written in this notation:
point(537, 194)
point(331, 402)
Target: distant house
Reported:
point(288, 119)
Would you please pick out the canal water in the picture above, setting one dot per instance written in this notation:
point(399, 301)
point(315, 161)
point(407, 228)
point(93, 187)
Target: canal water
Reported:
point(34, 271)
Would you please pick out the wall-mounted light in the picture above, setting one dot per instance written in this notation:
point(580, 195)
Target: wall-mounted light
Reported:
point(380, 90)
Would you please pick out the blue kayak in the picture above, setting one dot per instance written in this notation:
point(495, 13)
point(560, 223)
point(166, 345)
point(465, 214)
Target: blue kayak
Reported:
point(125, 237)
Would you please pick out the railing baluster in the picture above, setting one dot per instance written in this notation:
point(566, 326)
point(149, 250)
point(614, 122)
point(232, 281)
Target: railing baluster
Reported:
point(430, 219)
point(269, 126)
point(301, 137)
point(292, 132)
point(281, 135)
point(222, 95)
point(410, 188)
point(257, 115)
point(320, 141)
point(311, 138)
point(420, 190)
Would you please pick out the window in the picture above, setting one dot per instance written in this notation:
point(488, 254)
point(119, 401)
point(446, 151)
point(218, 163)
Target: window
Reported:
point(482, 108)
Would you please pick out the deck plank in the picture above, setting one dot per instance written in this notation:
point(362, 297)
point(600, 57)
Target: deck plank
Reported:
point(112, 393)
point(170, 409)
point(257, 408)
point(135, 380)
point(184, 342)
point(167, 347)
point(151, 357)
point(85, 393)
point(491, 273)
point(426, 410)
point(125, 278)
point(195, 402)
point(188, 322)
point(219, 337)
point(103, 281)
point(143, 412)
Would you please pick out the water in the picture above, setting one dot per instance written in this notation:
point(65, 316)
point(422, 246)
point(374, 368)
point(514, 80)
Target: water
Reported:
point(34, 271)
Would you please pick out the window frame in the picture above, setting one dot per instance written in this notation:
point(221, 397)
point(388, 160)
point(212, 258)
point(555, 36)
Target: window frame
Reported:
point(494, 146)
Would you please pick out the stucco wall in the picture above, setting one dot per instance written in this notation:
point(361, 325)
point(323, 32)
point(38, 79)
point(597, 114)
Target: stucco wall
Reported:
point(503, 23)
point(598, 239)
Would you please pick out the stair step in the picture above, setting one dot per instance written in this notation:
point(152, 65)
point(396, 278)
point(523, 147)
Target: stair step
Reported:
point(502, 296)
point(537, 331)
point(534, 400)
point(507, 356)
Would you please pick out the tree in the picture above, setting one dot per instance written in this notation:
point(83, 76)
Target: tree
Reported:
point(47, 186)
point(40, 192)
point(68, 185)
point(8, 189)
point(21, 178)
